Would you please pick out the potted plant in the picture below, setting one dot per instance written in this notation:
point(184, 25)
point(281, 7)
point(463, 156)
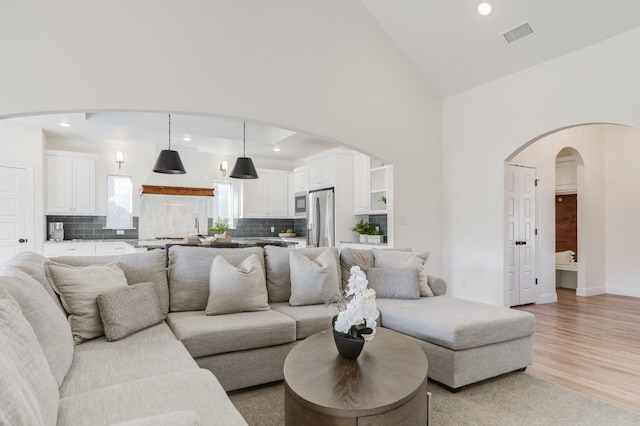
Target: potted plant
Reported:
point(374, 236)
point(219, 228)
point(363, 228)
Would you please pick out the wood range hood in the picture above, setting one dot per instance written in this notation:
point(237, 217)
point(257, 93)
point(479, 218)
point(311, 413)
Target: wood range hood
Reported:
point(176, 190)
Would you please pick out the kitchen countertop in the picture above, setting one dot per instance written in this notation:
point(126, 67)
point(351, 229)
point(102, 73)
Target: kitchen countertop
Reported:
point(364, 244)
point(161, 243)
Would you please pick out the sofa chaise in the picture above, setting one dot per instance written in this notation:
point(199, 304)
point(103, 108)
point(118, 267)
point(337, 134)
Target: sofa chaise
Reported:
point(178, 369)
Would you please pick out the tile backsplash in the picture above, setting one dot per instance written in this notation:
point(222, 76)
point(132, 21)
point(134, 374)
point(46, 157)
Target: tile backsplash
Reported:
point(91, 228)
point(262, 227)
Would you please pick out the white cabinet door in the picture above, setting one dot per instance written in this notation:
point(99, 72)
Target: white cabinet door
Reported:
point(277, 200)
point(71, 185)
point(84, 186)
point(266, 196)
point(361, 183)
point(68, 249)
point(322, 172)
point(59, 184)
point(301, 179)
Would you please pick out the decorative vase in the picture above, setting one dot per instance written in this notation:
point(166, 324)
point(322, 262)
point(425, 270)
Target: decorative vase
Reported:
point(348, 348)
point(224, 234)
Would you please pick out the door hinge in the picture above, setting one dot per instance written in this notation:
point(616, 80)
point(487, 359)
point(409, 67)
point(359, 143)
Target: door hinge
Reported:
point(536, 182)
point(536, 281)
point(536, 231)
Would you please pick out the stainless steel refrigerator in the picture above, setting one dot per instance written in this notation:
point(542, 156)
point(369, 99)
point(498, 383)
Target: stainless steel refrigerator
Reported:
point(321, 218)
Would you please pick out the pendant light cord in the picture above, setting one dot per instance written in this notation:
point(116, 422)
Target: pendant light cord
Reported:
point(244, 138)
point(169, 132)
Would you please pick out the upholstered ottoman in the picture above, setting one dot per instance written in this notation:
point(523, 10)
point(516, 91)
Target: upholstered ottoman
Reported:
point(464, 341)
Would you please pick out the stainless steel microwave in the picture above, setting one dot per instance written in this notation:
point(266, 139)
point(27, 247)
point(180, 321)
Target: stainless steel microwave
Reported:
point(300, 204)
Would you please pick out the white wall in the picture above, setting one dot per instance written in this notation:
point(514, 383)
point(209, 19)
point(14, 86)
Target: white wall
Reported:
point(622, 203)
point(23, 147)
point(321, 66)
point(484, 126)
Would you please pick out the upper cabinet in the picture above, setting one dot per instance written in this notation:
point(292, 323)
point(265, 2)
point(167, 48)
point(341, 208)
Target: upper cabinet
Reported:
point(300, 179)
point(71, 183)
point(267, 196)
point(321, 171)
point(371, 185)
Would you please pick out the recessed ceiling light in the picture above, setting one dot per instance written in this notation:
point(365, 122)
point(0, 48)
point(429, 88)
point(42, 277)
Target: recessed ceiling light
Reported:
point(186, 138)
point(65, 124)
point(485, 8)
point(276, 148)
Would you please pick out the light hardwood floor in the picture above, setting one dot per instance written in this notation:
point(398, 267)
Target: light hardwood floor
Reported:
point(590, 344)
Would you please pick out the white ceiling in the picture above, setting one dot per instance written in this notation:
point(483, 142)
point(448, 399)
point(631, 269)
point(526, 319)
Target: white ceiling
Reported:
point(456, 49)
point(448, 41)
point(211, 134)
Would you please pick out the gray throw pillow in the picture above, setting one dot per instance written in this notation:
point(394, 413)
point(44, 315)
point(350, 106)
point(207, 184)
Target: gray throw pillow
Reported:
point(313, 281)
point(79, 287)
point(394, 283)
point(129, 309)
point(239, 288)
point(399, 259)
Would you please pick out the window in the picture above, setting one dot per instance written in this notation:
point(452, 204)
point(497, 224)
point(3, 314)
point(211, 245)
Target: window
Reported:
point(119, 202)
point(223, 202)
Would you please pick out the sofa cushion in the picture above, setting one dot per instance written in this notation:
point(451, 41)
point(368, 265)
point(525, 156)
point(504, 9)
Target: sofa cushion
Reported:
point(137, 267)
point(209, 335)
point(156, 333)
point(33, 265)
point(239, 288)
point(28, 391)
point(130, 309)
point(110, 366)
point(363, 258)
point(79, 287)
point(398, 259)
point(313, 281)
point(174, 418)
point(189, 273)
point(194, 390)
point(278, 271)
point(47, 321)
point(394, 283)
point(309, 319)
point(454, 323)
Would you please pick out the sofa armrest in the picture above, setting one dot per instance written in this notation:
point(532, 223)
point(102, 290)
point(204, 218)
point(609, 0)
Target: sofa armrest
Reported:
point(438, 285)
point(173, 418)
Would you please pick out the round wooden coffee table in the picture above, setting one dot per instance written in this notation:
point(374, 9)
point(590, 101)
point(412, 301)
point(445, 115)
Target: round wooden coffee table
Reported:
point(386, 385)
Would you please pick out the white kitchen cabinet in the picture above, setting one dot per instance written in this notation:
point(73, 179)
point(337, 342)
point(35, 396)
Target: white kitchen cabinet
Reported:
point(267, 196)
point(300, 179)
point(321, 171)
point(361, 183)
point(88, 248)
point(52, 249)
point(379, 189)
point(71, 183)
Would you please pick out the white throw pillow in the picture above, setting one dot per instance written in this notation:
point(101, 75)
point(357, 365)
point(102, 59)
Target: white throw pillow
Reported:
point(313, 281)
point(79, 287)
point(400, 259)
point(236, 289)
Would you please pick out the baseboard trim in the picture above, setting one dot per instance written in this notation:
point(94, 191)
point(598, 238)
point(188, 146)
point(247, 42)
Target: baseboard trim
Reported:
point(623, 291)
point(591, 291)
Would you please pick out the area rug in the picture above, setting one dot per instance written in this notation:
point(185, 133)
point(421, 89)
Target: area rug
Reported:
point(512, 399)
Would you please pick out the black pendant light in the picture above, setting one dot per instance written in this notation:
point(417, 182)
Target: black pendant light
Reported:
point(244, 166)
point(169, 161)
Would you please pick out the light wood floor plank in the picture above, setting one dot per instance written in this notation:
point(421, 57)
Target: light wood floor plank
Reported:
point(590, 344)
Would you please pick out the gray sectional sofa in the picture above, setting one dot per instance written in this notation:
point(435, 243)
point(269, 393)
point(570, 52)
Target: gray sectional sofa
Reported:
point(177, 370)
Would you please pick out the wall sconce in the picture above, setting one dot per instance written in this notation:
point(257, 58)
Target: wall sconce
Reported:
point(224, 166)
point(119, 159)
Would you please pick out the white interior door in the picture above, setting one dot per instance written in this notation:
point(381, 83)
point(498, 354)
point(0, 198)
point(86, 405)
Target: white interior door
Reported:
point(521, 244)
point(13, 211)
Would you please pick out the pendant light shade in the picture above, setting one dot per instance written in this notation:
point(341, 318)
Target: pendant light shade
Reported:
point(169, 161)
point(244, 168)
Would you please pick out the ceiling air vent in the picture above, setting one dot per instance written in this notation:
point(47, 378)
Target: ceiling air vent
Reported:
point(518, 32)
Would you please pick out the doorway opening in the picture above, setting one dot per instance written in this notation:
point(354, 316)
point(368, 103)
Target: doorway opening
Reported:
point(566, 205)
